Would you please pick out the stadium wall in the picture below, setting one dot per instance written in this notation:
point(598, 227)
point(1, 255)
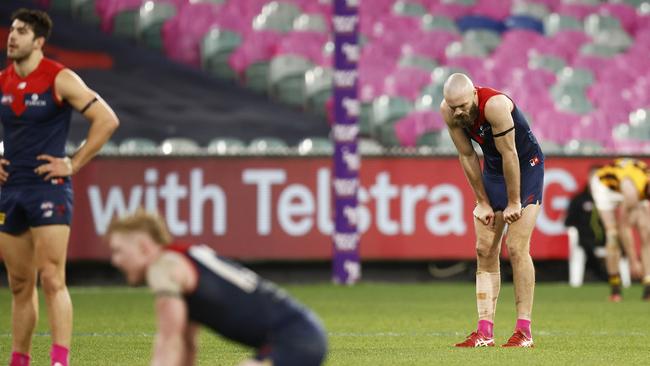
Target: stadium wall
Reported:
point(278, 208)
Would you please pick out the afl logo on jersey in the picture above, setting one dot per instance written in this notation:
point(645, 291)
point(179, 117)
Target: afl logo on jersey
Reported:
point(7, 99)
point(33, 101)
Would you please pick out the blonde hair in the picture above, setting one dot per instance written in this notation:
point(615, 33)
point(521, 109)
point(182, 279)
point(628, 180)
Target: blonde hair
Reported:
point(141, 221)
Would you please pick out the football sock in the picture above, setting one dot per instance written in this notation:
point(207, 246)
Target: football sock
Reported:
point(59, 355)
point(524, 326)
point(486, 327)
point(615, 284)
point(19, 359)
point(488, 285)
point(646, 287)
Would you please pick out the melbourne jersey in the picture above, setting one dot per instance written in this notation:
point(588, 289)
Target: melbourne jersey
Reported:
point(34, 121)
point(528, 149)
point(637, 171)
point(234, 301)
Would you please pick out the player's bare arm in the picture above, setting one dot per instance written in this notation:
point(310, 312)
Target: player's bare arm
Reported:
point(3, 173)
point(103, 122)
point(471, 166)
point(497, 113)
point(168, 278)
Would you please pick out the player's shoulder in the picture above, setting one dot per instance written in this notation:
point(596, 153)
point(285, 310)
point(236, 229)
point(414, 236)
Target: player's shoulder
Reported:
point(165, 274)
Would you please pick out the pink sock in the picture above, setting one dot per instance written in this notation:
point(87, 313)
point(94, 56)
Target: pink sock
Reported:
point(524, 326)
point(19, 359)
point(59, 355)
point(486, 327)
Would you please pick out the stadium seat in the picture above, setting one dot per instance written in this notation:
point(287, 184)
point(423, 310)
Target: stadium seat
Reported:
point(216, 48)
point(387, 110)
point(64, 6)
point(487, 38)
point(417, 61)
point(524, 22)
point(124, 23)
point(277, 16)
point(546, 62)
point(225, 146)
point(417, 123)
point(179, 145)
point(287, 78)
point(267, 145)
point(432, 23)
point(316, 146)
point(409, 8)
point(149, 22)
point(468, 22)
point(430, 98)
point(583, 147)
point(318, 88)
point(311, 23)
point(529, 8)
point(136, 146)
point(466, 47)
point(555, 23)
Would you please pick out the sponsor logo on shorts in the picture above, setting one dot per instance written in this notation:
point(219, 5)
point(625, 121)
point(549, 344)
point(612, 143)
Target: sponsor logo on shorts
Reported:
point(534, 161)
point(47, 209)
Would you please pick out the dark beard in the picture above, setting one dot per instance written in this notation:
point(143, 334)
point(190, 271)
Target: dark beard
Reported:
point(469, 121)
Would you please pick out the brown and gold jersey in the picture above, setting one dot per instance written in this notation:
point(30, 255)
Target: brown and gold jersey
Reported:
point(637, 171)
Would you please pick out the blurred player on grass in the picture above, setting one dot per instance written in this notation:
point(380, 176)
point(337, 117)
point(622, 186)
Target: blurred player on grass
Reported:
point(508, 191)
point(194, 286)
point(621, 190)
point(38, 96)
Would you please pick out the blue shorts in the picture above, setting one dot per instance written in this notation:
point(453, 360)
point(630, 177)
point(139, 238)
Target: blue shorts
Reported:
point(532, 186)
point(301, 343)
point(30, 206)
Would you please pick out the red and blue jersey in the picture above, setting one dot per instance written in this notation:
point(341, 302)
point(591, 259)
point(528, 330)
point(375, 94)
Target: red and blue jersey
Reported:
point(34, 121)
point(528, 150)
point(236, 303)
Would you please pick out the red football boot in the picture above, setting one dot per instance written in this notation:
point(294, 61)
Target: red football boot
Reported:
point(476, 339)
point(519, 339)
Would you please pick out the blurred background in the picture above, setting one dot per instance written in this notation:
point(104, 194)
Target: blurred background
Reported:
point(226, 110)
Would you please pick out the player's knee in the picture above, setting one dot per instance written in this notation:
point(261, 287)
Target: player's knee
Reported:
point(22, 286)
point(485, 250)
point(52, 279)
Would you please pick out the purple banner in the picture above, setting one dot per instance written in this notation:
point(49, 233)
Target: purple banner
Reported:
point(346, 267)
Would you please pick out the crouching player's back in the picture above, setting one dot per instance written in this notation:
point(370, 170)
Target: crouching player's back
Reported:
point(194, 286)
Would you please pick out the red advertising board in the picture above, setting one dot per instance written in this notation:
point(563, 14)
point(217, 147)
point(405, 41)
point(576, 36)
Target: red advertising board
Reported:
point(280, 208)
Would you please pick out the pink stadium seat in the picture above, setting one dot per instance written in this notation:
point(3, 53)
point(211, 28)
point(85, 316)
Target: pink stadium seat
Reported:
point(371, 78)
point(406, 82)
point(498, 10)
point(564, 44)
point(593, 63)
point(577, 10)
point(307, 44)
point(449, 10)
point(431, 44)
point(520, 40)
point(552, 5)
point(395, 28)
point(415, 124)
point(257, 47)
point(182, 34)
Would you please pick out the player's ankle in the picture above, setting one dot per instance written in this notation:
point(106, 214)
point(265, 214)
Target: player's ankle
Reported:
point(524, 326)
point(19, 359)
point(486, 328)
point(60, 355)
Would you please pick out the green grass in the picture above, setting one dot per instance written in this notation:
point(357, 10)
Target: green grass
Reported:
point(378, 324)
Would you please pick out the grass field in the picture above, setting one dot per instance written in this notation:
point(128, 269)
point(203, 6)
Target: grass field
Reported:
point(377, 324)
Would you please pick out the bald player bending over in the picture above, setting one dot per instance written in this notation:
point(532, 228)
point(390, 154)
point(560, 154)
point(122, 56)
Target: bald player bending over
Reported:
point(508, 191)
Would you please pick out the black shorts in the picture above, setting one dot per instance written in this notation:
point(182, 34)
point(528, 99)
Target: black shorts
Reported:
point(302, 342)
point(30, 206)
point(532, 186)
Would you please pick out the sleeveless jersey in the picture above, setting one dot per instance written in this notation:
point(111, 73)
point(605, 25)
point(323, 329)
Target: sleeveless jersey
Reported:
point(637, 171)
point(528, 149)
point(34, 121)
point(235, 302)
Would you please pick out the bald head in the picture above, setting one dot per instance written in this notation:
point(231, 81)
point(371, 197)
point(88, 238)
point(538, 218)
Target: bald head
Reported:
point(458, 89)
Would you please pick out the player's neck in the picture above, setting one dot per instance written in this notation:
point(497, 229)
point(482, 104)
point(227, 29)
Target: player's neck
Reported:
point(25, 66)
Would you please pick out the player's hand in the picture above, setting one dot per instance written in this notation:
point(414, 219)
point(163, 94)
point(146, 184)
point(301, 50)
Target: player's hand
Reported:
point(55, 167)
point(3, 173)
point(512, 212)
point(484, 213)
